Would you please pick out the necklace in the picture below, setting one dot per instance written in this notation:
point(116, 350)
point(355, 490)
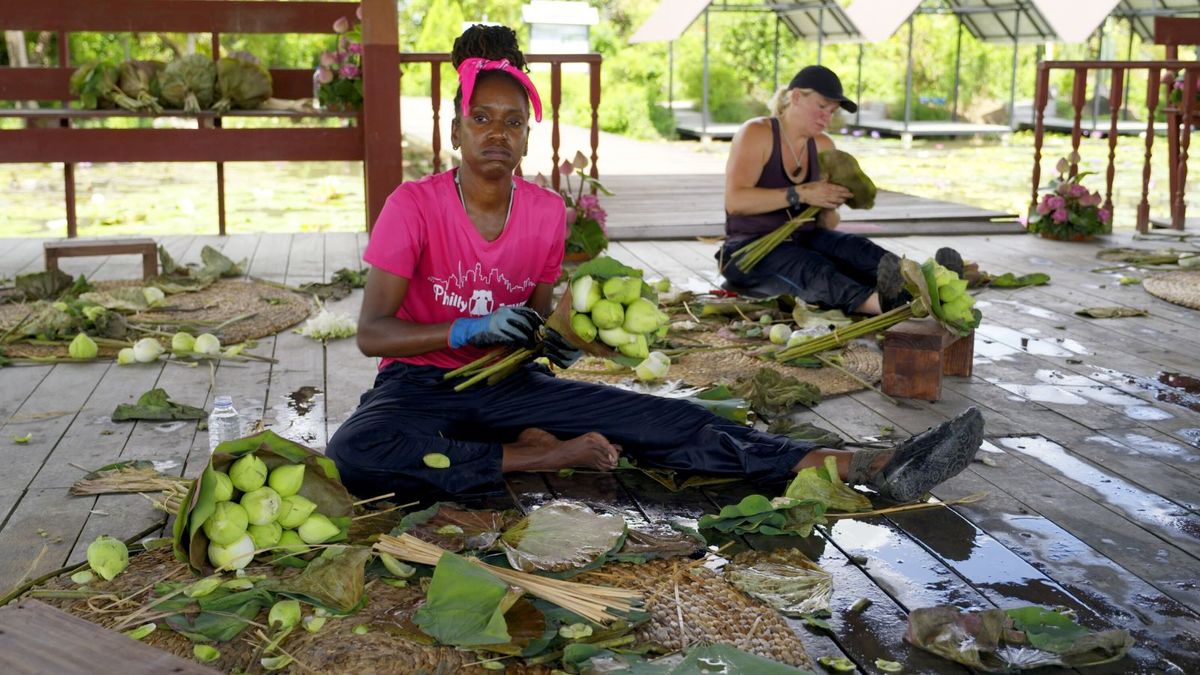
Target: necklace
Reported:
point(796, 158)
point(463, 199)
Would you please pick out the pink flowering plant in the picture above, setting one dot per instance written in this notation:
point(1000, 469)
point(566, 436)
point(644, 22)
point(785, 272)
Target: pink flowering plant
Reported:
point(586, 233)
point(340, 71)
point(1172, 84)
point(1067, 209)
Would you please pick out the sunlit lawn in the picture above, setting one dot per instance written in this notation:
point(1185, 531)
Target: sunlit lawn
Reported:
point(180, 198)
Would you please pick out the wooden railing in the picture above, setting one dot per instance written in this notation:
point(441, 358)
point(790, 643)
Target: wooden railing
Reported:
point(436, 59)
point(370, 135)
point(1179, 122)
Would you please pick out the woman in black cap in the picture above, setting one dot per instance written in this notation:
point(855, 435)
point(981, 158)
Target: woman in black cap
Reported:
point(772, 175)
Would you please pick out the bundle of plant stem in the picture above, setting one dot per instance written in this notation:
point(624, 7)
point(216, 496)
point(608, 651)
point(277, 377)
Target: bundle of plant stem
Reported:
point(841, 335)
point(598, 604)
point(493, 366)
point(751, 254)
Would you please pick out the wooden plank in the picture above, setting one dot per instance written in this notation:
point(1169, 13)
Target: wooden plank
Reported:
point(352, 372)
point(21, 255)
point(36, 638)
point(49, 144)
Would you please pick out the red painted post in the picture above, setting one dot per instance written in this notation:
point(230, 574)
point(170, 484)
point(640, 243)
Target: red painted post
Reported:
point(1115, 94)
point(1039, 129)
point(383, 161)
point(1078, 94)
point(216, 55)
point(594, 72)
point(555, 100)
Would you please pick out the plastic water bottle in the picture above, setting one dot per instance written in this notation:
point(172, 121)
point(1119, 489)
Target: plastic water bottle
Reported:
point(224, 423)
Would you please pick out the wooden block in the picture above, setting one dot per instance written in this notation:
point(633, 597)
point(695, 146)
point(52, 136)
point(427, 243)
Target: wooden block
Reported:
point(74, 248)
point(38, 638)
point(917, 352)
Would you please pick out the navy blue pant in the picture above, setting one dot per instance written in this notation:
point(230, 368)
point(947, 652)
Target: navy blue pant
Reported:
point(822, 267)
point(412, 412)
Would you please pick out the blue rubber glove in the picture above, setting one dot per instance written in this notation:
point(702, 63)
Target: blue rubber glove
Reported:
point(560, 352)
point(505, 326)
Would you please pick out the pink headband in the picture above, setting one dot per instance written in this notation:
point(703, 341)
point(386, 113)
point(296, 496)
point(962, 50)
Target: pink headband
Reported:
point(470, 68)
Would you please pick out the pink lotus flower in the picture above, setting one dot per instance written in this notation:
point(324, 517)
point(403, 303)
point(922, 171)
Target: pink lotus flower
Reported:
point(342, 25)
point(1059, 216)
point(1077, 190)
point(541, 181)
point(1056, 202)
point(325, 75)
point(1043, 206)
point(565, 168)
point(328, 58)
point(358, 12)
point(349, 71)
point(354, 48)
point(1104, 216)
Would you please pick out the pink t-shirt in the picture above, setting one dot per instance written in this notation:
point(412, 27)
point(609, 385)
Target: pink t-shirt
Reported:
point(424, 235)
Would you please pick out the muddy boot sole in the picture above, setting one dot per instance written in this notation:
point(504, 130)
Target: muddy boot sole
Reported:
point(930, 458)
point(889, 283)
point(950, 259)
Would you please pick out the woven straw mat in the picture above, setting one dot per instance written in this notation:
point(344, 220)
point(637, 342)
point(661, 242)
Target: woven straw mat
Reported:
point(274, 309)
point(1180, 288)
point(712, 611)
point(703, 369)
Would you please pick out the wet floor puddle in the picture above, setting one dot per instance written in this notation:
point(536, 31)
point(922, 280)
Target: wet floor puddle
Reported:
point(302, 416)
point(1057, 387)
point(999, 343)
point(1135, 503)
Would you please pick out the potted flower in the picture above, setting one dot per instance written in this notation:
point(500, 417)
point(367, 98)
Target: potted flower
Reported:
point(1067, 209)
point(338, 78)
point(586, 234)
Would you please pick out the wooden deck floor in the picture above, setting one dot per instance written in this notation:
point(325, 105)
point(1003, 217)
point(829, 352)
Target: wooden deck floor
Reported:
point(1093, 499)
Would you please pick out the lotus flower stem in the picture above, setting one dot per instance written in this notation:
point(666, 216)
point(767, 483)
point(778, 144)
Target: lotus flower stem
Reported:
point(499, 352)
point(751, 254)
point(514, 358)
point(855, 330)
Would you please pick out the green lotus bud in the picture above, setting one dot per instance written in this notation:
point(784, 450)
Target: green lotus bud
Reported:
point(284, 614)
point(125, 356)
point(60, 306)
point(294, 510)
point(607, 314)
point(942, 275)
point(663, 285)
point(286, 479)
point(248, 473)
point(265, 536)
point(153, 295)
point(226, 523)
point(222, 487)
point(798, 337)
point(262, 506)
point(641, 316)
point(235, 556)
point(623, 289)
point(318, 529)
point(779, 333)
point(147, 350)
point(615, 337)
point(584, 293)
point(952, 290)
point(83, 347)
point(206, 653)
point(107, 557)
point(583, 326)
point(93, 312)
point(653, 367)
point(291, 543)
point(638, 349)
point(207, 343)
point(183, 343)
point(82, 577)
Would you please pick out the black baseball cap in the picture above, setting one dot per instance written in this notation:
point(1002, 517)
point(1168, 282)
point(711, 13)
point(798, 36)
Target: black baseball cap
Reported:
point(825, 82)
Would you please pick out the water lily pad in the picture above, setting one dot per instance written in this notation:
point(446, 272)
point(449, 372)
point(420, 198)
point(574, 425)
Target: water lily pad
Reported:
point(560, 536)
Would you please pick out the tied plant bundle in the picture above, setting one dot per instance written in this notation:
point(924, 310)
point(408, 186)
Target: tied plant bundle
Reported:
point(606, 311)
point(339, 75)
point(1067, 209)
point(937, 292)
point(837, 167)
point(586, 234)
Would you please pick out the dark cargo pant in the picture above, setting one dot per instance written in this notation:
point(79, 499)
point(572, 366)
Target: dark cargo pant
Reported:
point(822, 267)
point(412, 412)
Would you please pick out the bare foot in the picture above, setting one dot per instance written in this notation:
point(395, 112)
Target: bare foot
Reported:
point(538, 450)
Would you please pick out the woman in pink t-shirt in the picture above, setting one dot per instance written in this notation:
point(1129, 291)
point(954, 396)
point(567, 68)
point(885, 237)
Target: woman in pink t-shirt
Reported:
point(465, 261)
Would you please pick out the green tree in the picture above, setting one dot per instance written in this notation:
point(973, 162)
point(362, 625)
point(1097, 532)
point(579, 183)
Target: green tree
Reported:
point(440, 25)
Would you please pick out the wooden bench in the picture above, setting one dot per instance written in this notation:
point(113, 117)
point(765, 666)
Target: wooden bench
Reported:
point(72, 248)
point(917, 353)
point(371, 135)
